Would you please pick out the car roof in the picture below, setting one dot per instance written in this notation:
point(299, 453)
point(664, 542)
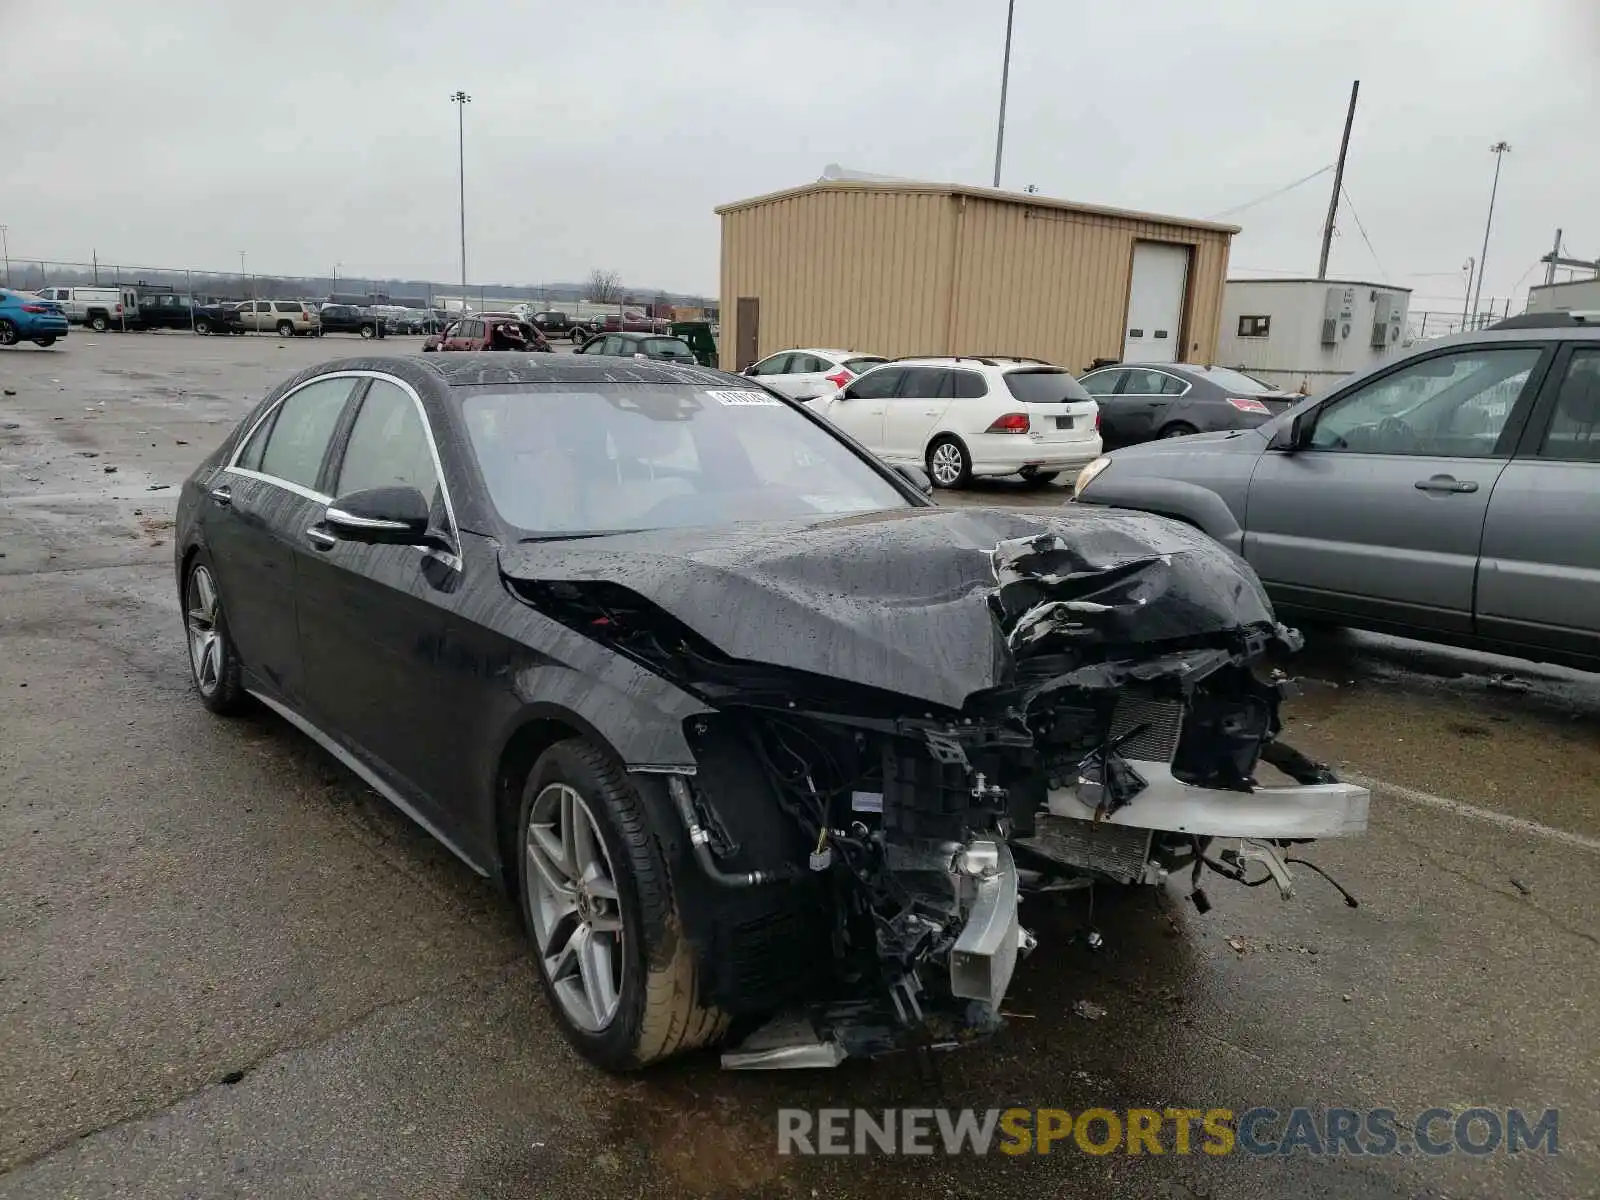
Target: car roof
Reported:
point(1001, 362)
point(511, 368)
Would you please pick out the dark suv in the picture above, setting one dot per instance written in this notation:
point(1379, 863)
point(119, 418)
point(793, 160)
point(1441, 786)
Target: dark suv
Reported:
point(172, 310)
point(348, 318)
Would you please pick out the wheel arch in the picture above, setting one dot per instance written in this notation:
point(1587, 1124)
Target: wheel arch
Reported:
point(1182, 501)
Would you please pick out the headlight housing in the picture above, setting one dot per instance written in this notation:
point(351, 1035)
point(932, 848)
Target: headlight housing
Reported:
point(1089, 474)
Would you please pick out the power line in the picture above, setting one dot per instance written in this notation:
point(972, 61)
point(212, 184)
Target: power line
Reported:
point(1228, 212)
point(1383, 269)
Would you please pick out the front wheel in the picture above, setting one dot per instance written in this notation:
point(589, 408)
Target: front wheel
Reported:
point(202, 326)
point(99, 322)
point(598, 903)
point(44, 341)
point(8, 333)
point(367, 331)
point(948, 464)
point(213, 663)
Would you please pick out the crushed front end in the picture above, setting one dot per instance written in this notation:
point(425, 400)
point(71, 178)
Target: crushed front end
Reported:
point(866, 849)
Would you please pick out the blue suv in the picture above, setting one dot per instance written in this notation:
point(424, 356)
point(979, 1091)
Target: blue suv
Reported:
point(28, 318)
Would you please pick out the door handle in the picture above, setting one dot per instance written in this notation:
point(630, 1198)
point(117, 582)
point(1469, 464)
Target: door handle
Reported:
point(1446, 484)
point(222, 494)
point(321, 538)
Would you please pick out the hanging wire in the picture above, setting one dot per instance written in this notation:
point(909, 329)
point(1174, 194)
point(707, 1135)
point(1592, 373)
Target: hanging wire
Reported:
point(1381, 268)
point(1228, 212)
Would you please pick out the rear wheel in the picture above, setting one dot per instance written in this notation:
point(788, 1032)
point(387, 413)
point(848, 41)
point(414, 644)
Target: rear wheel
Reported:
point(285, 328)
point(1177, 429)
point(202, 326)
point(1036, 476)
point(100, 322)
point(598, 902)
point(213, 664)
point(8, 333)
point(367, 331)
point(948, 463)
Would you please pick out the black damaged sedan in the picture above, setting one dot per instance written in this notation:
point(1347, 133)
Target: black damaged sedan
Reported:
point(764, 744)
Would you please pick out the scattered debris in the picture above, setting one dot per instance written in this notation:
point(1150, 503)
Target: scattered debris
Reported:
point(1088, 1010)
point(109, 470)
point(158, 487)
point(1237, 944)
point(1345, 997)
point(12, 424)
point(1505, 681)
point(180, 441)
point(1521, 887)
point(89, 453)
point(1094, 941)
point(11, 391)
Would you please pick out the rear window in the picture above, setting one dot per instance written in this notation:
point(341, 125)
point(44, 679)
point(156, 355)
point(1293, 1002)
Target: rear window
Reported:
point(282, 307)
point(859, 365)
point(1053, 386)
point(667, 348)
point(1237, 381)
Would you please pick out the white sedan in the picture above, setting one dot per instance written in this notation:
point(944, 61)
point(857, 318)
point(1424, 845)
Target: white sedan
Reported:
point(809, 374)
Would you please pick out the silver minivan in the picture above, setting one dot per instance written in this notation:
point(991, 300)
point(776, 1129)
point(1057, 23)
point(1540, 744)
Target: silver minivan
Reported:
point(1450, 494)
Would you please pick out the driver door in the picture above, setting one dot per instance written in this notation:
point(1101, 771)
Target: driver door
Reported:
point(1381, 514)
point(859, 408)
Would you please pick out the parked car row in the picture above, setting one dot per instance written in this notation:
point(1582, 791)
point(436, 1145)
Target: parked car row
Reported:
point(25, 317)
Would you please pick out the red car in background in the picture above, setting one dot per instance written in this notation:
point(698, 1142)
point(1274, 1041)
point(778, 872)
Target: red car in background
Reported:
point(488, 331)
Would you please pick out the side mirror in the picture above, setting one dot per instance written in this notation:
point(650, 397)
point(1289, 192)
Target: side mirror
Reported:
point(1292, 435)
point(916, 477)
point(386, 516)
point(750, 370)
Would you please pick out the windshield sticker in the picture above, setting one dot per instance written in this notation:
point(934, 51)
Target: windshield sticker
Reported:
point(743, 399)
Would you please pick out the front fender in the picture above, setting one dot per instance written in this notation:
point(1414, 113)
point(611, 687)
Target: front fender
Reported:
point(1188, 502)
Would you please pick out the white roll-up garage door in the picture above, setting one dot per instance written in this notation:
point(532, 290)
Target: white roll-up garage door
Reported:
point(1155, 303)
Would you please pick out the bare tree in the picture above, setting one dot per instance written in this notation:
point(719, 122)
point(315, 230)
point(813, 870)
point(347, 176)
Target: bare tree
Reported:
point(603, 286)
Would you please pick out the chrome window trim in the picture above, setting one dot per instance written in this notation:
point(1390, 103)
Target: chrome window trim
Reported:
point(355, 522)
point(311, 494)
point(1187, 386)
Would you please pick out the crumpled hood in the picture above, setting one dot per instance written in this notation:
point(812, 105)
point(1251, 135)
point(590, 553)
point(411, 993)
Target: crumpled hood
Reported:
point(932, 603)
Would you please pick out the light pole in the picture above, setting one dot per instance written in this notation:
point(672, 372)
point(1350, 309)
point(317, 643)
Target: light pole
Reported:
point(333, 292)
point(1005, 82)
point(1499, 150)
point(5, 248)
point(461, 100)
point(1466, 295)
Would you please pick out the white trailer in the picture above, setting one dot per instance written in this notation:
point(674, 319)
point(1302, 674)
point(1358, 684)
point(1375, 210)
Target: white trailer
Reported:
point(1306, 334)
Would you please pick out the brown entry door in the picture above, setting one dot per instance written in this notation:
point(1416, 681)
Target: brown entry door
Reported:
point(749, 318)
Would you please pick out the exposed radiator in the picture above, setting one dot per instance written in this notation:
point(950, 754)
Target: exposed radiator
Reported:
point(1163, 721)
point(1118, 851)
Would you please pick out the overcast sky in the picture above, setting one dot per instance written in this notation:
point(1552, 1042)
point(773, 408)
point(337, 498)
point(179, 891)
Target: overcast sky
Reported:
point(180, 133)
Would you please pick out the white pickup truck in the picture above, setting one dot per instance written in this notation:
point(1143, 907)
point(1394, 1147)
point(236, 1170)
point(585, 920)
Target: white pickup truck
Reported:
point(100, 308)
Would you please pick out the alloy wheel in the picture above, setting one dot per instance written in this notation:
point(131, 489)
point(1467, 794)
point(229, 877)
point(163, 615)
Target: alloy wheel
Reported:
point(8, 334)
point(574, 906)
point(947, 463)
point(205, 636)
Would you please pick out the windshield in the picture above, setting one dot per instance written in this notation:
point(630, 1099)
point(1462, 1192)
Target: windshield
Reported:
point(1235, 381)
point(564, 459)
point(667, 348)
point(1049, 385)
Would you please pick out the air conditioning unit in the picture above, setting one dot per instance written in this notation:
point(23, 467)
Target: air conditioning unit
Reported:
point(1332, 302)
point(1382, 311)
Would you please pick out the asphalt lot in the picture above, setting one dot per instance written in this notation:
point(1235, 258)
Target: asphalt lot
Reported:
point(228, 969)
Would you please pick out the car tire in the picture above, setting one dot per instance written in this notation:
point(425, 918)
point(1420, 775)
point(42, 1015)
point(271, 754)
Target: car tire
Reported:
point(949, 464)
point(44, 341)
point(213, 662)
point(202, 326)
point(285, 328)
point(618, 903)
point(1176, 429)
point(1038, 478)
point(99, 322)
point(8, 333)
point(367, 331)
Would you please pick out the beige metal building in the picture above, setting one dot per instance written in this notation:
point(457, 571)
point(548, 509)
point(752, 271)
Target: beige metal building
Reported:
point(900, 268)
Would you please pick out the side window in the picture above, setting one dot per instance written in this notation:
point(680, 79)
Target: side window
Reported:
point(1574, 434)
point(808, 364)
point(388, 445)
point(263, 306)
point(300, 434)
point(1102, 383)
point(926, 383)
point(1451, 405)
point(969, 385)
point(776, 364)
point(876, 385)
point(612, 345)
point(1142, 383)
point(1171, 385)
point(286, 308)
point(250, 458)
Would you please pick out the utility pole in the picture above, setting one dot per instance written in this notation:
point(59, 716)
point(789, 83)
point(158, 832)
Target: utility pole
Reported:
point(1499, 150)
point(1338, 183)
point(1005, 82)
point(461, 100)
point(95, 255)
point(333, 292)
point(5, 249)
point(1466, 297)
point(1555, 253)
